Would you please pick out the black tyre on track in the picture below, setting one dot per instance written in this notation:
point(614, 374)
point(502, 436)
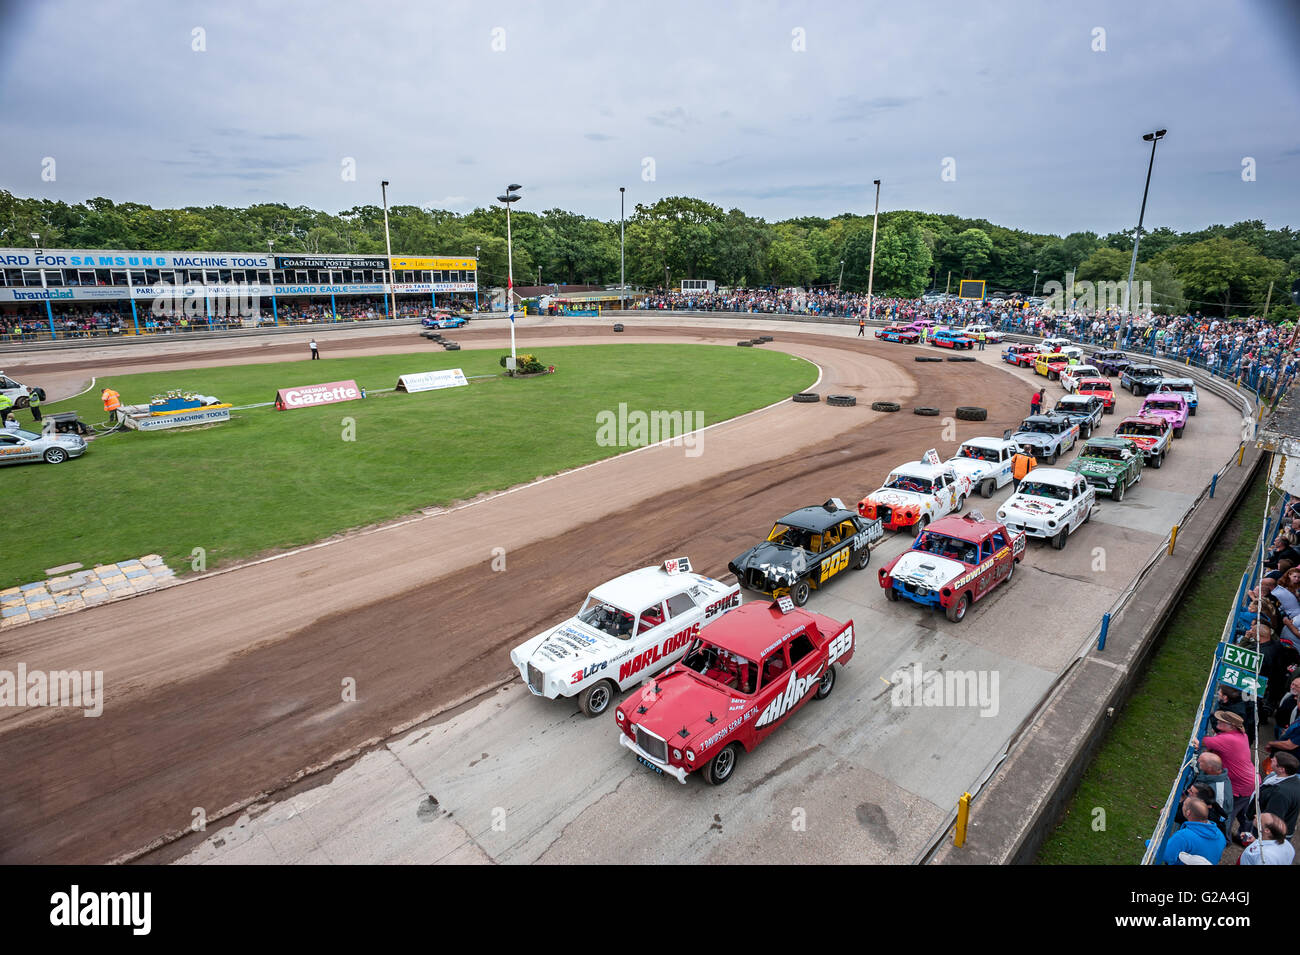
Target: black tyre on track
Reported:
point(807, 397)
point(927, 412)
point(885, 406)
point(971, 413)
point(841, 401)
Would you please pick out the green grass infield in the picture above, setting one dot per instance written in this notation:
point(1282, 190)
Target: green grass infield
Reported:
point(268, 480)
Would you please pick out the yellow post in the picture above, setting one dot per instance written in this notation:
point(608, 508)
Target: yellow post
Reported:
point(963, 817)
point(1173, 539)
point(1241, 455)
point(1261, 411)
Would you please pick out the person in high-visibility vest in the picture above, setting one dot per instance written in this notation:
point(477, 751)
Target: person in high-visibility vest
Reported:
point(1022, 463)
point(5, 404)
point(34, 399)
point(112, 401)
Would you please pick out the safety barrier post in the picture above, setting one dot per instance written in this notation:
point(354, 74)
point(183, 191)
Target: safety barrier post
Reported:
point(1213, 481)
point(1173, 539)
point(963, 817)
point(1241, 454)
point(1105, 628)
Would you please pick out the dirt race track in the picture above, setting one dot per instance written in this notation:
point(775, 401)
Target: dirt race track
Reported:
point(229, 686)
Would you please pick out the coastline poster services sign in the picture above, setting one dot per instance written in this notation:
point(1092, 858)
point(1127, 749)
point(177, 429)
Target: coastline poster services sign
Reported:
point(431, 380)
point(308, 396)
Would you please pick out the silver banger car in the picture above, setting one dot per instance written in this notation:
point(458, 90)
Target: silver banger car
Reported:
point(18, 447)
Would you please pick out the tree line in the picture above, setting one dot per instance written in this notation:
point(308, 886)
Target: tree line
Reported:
point(1218, 270)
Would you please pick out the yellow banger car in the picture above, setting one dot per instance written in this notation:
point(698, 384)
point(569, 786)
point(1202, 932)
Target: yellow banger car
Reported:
point(1052, 364)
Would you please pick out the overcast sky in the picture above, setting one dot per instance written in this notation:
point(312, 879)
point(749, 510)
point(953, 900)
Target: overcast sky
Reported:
point(781, 109)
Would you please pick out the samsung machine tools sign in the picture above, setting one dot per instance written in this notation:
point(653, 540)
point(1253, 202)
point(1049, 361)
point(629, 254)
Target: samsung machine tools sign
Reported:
point(432, 380)
point(308, 396)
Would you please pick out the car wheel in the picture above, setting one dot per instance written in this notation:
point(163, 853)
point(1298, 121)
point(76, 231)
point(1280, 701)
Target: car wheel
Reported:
point(1085, 431)
point(986, 487)
point(885, 406)
point(841, 401)
point(719, 769)
point(1158, 460)
point(926, 411)
point(1011, 572)
point(799, 593)
point(1110, 410)
point(1192, 412)
point(1178, 432)
point(961, 502)
point(891, 594)
point(957, 609)
point(921, 525)
point(595, 699)
point(56, 456)
point(1117, 495)
point(971, 413)
point(1059, 540)
point(1087, 517)
point(864, 558)
point(826, 684)
point(1051, 458)
point(806, 397)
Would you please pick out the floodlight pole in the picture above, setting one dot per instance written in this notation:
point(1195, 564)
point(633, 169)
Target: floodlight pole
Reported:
point(871, 271)
point(1152, 138)
point(388, 243)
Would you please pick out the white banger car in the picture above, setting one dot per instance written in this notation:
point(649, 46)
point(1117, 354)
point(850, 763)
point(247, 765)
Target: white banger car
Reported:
point(628, 628)
point(987, 462)
point(1050, 503)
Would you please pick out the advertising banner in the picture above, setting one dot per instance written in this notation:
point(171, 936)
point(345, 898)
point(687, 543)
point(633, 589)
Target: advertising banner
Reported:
point(432, 380)
point(423, 262)
point(307, 396)
point(330, 262)
point(179, 419)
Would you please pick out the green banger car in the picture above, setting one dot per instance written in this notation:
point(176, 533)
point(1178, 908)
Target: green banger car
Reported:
point(1111, 465)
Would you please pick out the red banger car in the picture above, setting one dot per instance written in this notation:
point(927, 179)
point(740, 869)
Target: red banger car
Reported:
point(744, 676)
point(957, 561)
point(1099, 387)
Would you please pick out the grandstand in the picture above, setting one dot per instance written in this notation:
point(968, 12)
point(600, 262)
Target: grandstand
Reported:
point(58, 293)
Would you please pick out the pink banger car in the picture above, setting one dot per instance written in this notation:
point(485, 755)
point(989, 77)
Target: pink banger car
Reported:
point(1170, 405)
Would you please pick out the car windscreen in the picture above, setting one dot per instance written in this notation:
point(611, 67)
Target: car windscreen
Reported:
point(1041, 489)
point(1109, 453)
point(26, 435)
point(606, 618)
point(1094, 384)
point(1145, 430)
point(1163, 405)
point(977, 454)
point(1037, 427)
point(1180, 387)
point(941, 545)
point(788, 536)
point(906, 482)
point(722, 666)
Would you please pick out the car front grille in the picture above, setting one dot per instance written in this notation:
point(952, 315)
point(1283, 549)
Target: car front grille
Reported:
point(536, 680)
point(652, 745)
point(884, 512)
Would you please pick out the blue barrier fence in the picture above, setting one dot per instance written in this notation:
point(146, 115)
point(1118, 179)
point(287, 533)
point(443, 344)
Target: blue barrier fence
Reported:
point(1239, 620)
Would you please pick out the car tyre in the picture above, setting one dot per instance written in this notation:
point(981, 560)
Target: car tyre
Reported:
point(863, 558)
point(1178, 432)
point(956, 610)
point(1157, 461)
point(720, 768)
point(618, 327)
point(1117, 495)
point(1192, 412)
point(807, 397)
point(921, 525)
point(972, 413)
point(1051, 458)
point(595, 699)
point(927, 412)
point(986, 487)
point(885, 406)
point(56, 456)
point(799, 593)
point(891, 594)
point(841, 401)
point(1058, 542)
point(826, 684)
point(746, 344)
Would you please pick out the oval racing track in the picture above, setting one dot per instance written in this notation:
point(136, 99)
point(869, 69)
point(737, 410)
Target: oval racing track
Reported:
point(228, 687)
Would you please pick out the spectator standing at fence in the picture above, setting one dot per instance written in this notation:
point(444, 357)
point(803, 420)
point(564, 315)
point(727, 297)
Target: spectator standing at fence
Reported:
point(315, 351)
point(1287, 709)
point(1196, 837)
point(1230, 743)
point(1210, 775)
point(1279, 794)
point(1272, 848)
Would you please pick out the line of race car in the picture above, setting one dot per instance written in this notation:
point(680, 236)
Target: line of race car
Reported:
point(717, 676)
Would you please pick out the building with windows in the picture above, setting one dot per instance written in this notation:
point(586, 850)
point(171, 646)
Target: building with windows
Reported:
point(140, 292)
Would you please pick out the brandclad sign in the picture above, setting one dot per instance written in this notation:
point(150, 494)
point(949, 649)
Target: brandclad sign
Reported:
point(307, 396)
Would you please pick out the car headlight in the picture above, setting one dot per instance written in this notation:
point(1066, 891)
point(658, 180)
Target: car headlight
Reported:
point(690, 756)
point(1110, 480)
point(677, 754)
point(1051, 523)
point(618, 715)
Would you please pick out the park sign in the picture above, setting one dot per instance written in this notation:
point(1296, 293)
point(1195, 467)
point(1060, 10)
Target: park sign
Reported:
point(431, 380)
point(307, 396)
